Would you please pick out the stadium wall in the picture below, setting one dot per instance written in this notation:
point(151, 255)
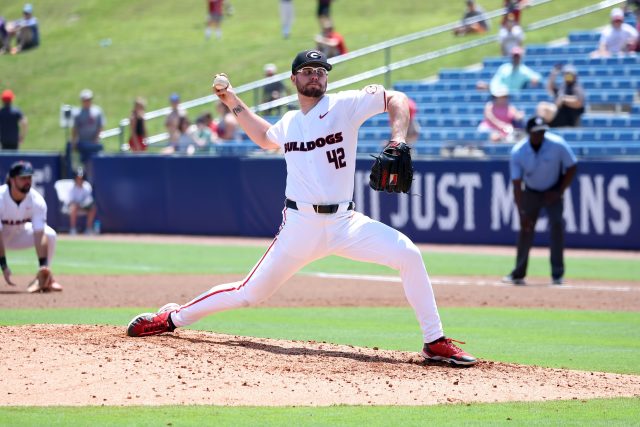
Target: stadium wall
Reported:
point(456, 201)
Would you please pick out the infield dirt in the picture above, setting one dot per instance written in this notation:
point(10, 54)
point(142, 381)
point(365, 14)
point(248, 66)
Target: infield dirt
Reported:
point(99, 365)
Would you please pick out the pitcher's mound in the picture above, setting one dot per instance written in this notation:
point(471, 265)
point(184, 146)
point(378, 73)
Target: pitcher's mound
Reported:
point(96, 365)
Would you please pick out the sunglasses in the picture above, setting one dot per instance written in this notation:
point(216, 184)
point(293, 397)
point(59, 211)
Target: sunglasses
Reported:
point(309, 71)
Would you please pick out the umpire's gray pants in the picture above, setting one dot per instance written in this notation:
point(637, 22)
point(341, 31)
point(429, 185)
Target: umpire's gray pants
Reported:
point(532, 202)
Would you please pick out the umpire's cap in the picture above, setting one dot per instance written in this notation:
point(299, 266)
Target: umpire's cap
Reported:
point(536, 124)
point(20, 168)
point(310, 57)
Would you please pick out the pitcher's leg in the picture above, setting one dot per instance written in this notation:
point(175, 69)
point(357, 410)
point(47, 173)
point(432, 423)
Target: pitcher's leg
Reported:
point(299, 241)
point(272, 270)
point(372, 241)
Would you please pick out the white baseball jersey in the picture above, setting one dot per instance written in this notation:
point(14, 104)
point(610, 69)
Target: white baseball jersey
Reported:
point(32, 209)
point(320, 146)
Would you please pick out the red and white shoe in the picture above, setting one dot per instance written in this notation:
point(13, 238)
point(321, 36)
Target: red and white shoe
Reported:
point(147, 324)
point(445, 350)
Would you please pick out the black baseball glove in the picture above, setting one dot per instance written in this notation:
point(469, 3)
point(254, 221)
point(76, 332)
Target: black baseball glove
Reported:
point(392, 170)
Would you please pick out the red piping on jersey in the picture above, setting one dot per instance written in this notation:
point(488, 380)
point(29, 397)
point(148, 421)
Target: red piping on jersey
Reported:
point(385, 101)
point(234, 288)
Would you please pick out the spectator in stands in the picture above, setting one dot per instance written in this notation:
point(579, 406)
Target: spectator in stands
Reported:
point(85, 134)
point(468, 26)
point(173, 119)
point(513, 75)
point(203, 135)
point(4, 36)
point(413, 132)
point(137, 126)
point(324, 10)
point(569, 98)
point(274, 90)
point(215, 12)
point(514, 7)
point(13, 124)
point(633, 7)
point(286, 17)
point(510, 35)
point(81, 200)
point(228, 126)
point(617, 38)
point(329, 41)
point(25, 31)
point(544, 165)
point(501, 119)
point(187, 142)
point(211, 124)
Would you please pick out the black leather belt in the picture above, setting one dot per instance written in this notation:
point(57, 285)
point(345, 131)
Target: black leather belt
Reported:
point(321, 209)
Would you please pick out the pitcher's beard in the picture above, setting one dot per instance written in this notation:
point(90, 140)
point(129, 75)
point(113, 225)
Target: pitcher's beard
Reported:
point(312, 91)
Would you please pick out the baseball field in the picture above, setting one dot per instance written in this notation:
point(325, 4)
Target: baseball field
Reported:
point(337, 344)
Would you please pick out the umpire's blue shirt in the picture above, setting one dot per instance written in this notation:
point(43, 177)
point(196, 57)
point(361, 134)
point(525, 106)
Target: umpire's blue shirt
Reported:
point(541, 170)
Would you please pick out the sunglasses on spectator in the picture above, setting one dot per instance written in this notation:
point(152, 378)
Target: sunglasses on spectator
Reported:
point(309, 71)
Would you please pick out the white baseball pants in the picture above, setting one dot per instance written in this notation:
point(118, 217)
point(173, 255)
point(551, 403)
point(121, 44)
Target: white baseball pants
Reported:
point(21, 237)
point(306, 236)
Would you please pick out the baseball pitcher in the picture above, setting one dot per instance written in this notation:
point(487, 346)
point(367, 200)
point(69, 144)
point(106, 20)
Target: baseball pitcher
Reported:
point(319, 216)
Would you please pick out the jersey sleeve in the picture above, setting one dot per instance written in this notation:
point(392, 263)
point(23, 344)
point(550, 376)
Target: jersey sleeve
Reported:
point(368, 102)
point(39, 218)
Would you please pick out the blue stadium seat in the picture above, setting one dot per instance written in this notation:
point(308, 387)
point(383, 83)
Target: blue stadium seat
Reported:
point(587, 71)
point(469, 84)
point(589, 121)
point(544, 61)
point(570, 49)
point(614, 97)
point(584, 36)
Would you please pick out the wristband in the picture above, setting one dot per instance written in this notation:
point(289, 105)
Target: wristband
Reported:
point(43, 262)
point(3, 263)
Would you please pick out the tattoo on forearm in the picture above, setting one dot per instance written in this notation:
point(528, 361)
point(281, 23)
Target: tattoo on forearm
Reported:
point(237, 109)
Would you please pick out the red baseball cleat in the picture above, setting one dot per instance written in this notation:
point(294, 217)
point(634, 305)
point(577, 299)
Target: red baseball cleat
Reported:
point(445, 351)
point(147, 324)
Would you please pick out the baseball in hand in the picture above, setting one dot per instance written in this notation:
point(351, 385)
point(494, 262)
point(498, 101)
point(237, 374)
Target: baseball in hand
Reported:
point(220, 82)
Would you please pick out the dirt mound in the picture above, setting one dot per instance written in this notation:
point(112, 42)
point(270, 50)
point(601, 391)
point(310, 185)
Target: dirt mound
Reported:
point(95, 365)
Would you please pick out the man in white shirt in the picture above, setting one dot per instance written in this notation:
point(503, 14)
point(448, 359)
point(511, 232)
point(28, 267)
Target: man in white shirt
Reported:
point(23, 215)
point(617, 38)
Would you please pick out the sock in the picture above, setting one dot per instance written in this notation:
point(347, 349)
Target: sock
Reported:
point(439, 339)
point(207, 33)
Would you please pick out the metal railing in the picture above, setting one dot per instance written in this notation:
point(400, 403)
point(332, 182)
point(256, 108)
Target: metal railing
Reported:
point(385, 69)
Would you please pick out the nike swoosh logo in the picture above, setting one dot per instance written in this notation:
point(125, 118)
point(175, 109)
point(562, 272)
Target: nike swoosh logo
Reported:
point(323, 115)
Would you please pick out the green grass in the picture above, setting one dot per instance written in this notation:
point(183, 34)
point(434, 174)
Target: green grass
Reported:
point(584, 340)
point(102, 257)
point(158, 47)
point(599, 412)
point(598, 341)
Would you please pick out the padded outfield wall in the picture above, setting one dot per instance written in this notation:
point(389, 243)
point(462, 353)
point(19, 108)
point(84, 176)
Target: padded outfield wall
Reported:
point(457, 201)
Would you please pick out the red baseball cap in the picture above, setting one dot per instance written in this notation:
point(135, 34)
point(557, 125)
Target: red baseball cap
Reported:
point(7, 95)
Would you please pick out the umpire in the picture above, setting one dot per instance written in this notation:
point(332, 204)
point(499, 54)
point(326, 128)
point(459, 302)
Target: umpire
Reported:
point(542, 168)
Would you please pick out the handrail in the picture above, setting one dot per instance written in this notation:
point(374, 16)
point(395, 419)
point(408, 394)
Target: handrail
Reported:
point(385, 69)
point(335, 60)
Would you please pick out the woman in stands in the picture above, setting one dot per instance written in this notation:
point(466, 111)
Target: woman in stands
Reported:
point(501, 119)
